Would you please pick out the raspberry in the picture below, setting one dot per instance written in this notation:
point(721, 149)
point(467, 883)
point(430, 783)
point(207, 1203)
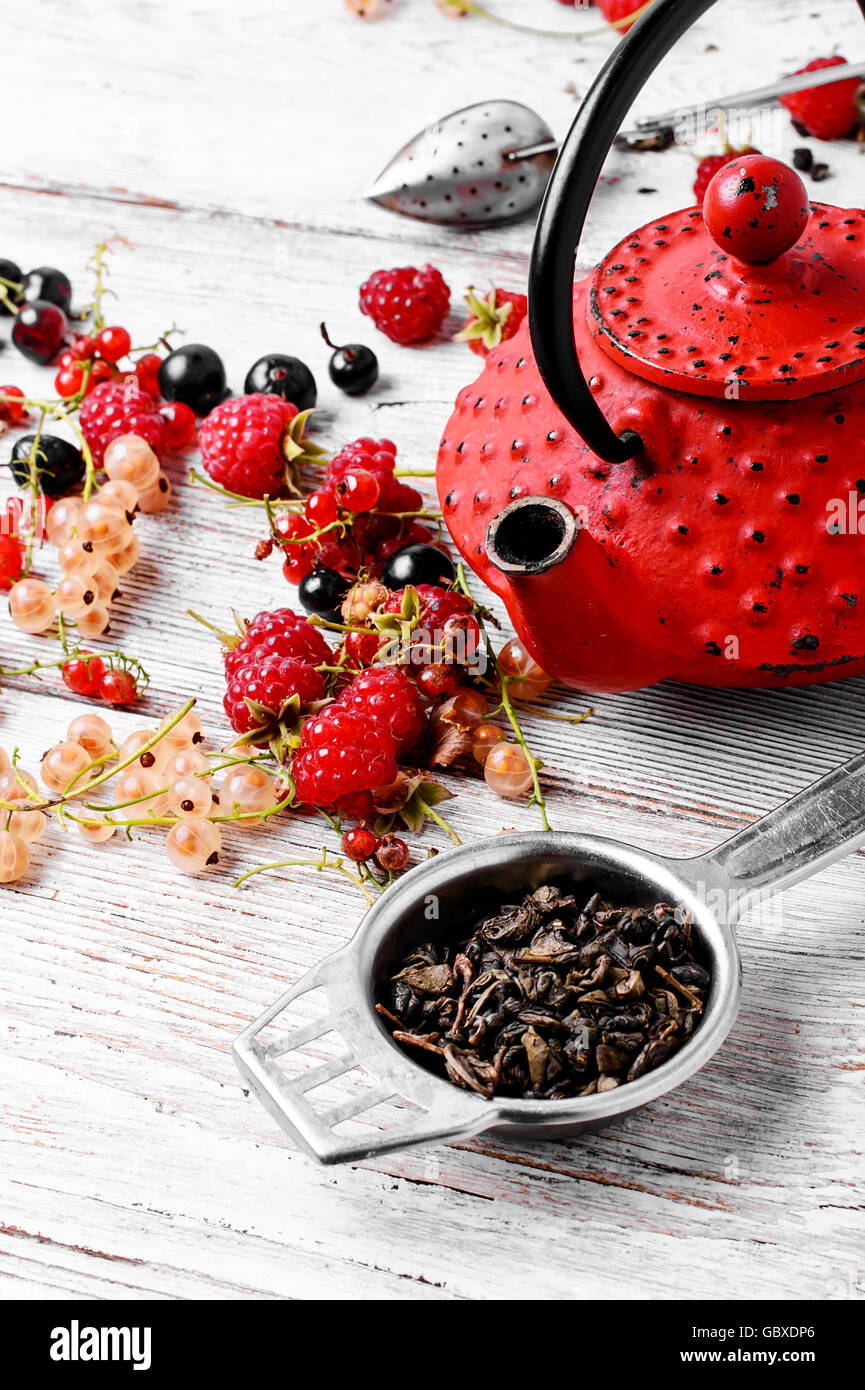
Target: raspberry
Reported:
point(436, 606)
point(342, 752)
point(11, 560)
point(493, 320)
point(407, 305)
point(390, 700)
point(242, 443)
point(259, 690)
point(280, 632)
point(11, 410)
point(116, 408)
point(706, 171)
point(614, 10)
point(829, 113)
point(434, 630)
point(708, 168)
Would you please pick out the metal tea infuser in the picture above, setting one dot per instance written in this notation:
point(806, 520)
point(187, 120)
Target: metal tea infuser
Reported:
point(803, 836)
point(488, 164)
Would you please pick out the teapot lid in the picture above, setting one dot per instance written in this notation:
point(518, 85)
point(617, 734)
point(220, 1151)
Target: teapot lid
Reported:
point(758, 295)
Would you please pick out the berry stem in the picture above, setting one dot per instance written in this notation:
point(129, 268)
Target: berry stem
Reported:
point(551, 714)
point(471, 7)
point(319, 865)
point(99, 266)
point(439, 820)
point(145, 748)
point(506, 706)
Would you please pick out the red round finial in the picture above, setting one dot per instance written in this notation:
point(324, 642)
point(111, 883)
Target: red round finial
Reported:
point(756, 208)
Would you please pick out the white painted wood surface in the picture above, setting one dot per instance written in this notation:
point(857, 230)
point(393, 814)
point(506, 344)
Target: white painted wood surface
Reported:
point(228, 144)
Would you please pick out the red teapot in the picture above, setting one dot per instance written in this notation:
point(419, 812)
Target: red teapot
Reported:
point(660, 473)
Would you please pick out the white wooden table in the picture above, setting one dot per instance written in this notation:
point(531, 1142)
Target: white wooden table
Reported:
point(228, 145)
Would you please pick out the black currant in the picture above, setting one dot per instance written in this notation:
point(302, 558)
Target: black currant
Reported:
point(49, 284)
point(39, 331)
point(353, 367)
point(59, 464)
point(418, 564)
point(195, 375)
point(9, 296)
point(322, 592)
point(278, 375)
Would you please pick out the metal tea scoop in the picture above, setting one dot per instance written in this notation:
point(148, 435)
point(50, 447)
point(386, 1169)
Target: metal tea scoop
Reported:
point(489, 164)
point(440, 899)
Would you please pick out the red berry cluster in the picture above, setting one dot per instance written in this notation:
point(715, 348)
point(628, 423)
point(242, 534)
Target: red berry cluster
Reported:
point(407, 305)
point(125, 407)
point(243, 443)
point(88, 361)
point(271, 668)
point(376, 510)
point(88, 675)
point(443, 635)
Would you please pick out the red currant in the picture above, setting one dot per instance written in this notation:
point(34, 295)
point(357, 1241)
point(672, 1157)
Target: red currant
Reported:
point(359, 844)
point(11, 411)
point(69, 380)
point(437, 679)
point(118, 687)
point(81, 349)
point(11, 561)
point(180, 424)
point(83, 673)
point(358, 490)
point(392, 854)
point(147, 371)
point(321, 507)
point(298, 561)
point(99, 372)
point(113, 343)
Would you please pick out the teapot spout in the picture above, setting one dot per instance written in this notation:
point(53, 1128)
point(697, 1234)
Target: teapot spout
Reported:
point(573, 606)
point(531, 536)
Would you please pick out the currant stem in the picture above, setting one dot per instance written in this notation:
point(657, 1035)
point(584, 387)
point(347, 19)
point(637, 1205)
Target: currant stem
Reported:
point(506, 706)
point(439, 820)
point(318, 864)
point(471, 7)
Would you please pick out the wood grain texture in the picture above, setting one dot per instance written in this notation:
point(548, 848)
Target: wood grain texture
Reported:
point(232, 143)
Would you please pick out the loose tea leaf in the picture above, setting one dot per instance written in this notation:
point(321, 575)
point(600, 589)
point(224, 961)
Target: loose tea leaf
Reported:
point(546, 1000)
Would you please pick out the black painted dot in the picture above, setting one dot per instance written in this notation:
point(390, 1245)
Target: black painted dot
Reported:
point(793, 499)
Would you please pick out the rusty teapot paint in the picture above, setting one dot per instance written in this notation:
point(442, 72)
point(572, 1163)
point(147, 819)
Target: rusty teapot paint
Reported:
point(656, 472)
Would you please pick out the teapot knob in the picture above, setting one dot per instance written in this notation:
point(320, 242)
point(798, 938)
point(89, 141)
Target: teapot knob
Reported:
point(756, 208)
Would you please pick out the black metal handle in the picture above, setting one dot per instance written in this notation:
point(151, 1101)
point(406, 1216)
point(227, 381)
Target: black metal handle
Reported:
point(563, 213)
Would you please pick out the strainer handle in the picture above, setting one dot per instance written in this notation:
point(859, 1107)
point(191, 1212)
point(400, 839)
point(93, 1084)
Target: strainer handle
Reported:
point(563, 213)
point(823, 823)
point(438, 1111)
